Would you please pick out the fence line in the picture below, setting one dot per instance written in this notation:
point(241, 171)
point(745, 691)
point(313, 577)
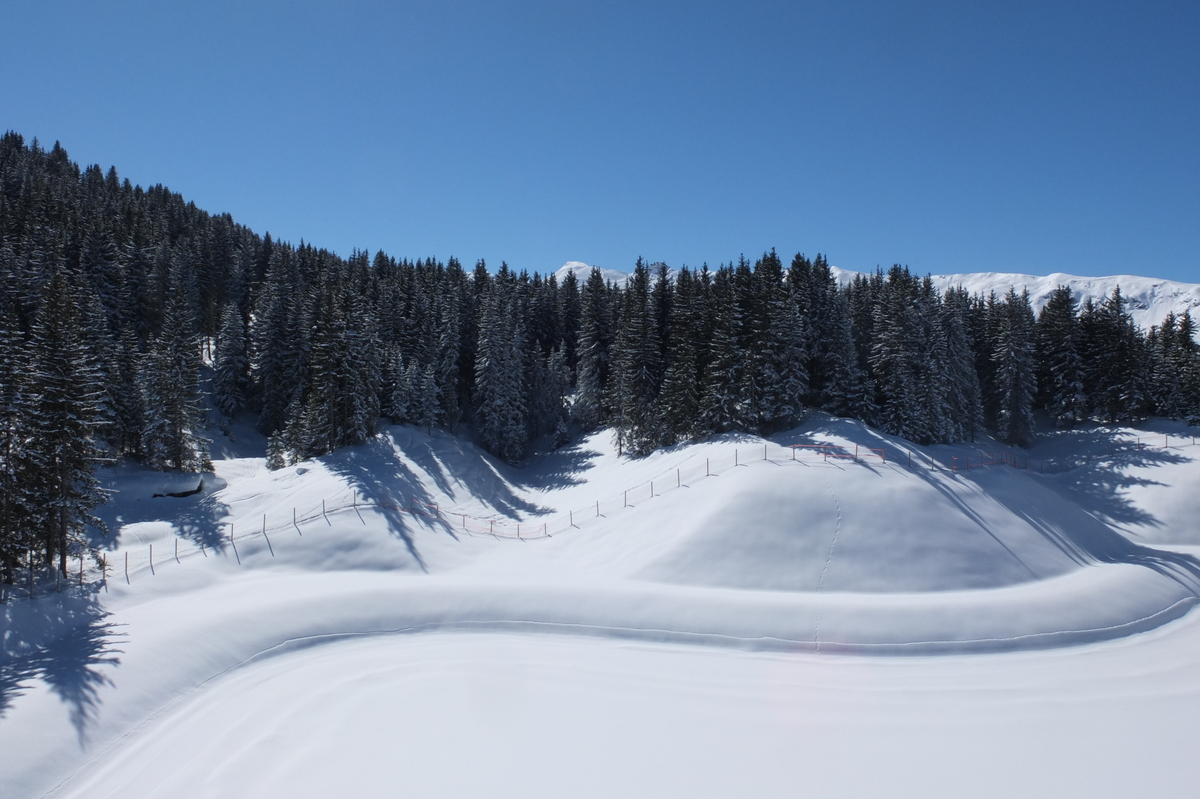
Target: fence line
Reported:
point(458, 522)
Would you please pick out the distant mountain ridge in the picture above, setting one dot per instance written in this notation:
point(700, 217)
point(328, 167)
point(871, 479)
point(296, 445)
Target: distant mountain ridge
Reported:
point(1148, 299)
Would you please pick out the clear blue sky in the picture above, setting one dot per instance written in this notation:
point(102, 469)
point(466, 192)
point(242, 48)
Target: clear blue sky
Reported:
point(951, 137)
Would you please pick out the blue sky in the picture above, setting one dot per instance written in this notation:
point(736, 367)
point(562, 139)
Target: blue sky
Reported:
point(952, 137)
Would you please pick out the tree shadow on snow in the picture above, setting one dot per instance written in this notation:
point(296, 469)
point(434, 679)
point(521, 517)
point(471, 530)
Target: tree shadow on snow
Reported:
point(387, 483)
point(64, 640)
point(456, 466)
point(1080, 511)
point(197, 517)
point(1094, 490)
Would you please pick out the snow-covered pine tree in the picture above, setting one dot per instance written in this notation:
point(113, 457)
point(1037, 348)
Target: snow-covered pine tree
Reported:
point(231, 375)
point(931, 360)
point(1016, 376)
point(1118, 361)
point(501, 409)
point(962, 382)
point(637, 368)
point(19, 468)
point(1060, 368)
point(174, 413)
point(679, 400)
point(894, 359)
point(782, 336)
point(721, 392)
point(590, 408)
point(69, 415)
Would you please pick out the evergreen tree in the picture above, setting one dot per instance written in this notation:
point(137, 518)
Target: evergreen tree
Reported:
point(231, 375)
point(1060, 368)
point(500, 415)
point(595, 341)
point(175, 416)
point(1016, 378)
point(69, 416)
point(19, 467)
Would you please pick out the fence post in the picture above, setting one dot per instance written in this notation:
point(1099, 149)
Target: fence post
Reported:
point(706, 467)
point(678, 479)
point(176, 553)
point(735, 461)
point(764, 452)
point(651, 489)
point(571, 517)
point(856, 452)
point(152, 558)
point(126, 570)
point(323, 511)
point(626, 505)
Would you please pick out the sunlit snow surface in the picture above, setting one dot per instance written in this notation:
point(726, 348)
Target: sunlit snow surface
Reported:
point(728, 621)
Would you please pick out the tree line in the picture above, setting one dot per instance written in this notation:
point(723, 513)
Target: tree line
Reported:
point(129, 319)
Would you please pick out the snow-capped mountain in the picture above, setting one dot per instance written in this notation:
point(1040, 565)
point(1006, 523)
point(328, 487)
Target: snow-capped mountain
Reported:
point(582, 270)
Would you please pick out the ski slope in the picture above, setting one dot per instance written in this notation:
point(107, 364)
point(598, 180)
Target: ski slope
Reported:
point(739, 616)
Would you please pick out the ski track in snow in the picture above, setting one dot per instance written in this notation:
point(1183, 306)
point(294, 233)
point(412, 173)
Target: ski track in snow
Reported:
point(837, 530)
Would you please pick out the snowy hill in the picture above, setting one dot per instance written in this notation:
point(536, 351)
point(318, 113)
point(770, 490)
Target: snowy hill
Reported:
point(1149, 300)
point(582, 270)
point(382, 615)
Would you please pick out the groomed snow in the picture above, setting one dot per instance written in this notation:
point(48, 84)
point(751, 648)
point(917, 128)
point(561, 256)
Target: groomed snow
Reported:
point(717, 618)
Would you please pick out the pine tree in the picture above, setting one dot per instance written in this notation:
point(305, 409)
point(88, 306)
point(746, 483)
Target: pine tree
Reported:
point(722, 405)
point(1060, 368)
point(963, 396)
point(175, 416)
point(69, 416)
point(595, 341)
point(19, 468)
point(637, 368)
point(500, 415)
point(1016, 377)
point(231, 377)
point(679, 401)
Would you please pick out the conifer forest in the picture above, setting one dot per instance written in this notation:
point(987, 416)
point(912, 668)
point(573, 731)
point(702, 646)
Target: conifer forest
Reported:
point(132, 321)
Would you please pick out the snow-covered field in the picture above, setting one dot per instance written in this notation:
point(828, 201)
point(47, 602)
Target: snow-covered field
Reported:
point(829, 613)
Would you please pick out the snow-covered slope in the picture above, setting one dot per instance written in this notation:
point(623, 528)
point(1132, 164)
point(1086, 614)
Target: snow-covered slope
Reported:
point(582, 271)
point(708, 605)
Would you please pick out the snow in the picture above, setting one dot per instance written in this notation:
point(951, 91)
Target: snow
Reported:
point(730, 617)
point(582, 271)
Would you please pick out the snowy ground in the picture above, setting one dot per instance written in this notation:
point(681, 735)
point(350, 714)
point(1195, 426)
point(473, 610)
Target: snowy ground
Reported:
point(725, 618)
